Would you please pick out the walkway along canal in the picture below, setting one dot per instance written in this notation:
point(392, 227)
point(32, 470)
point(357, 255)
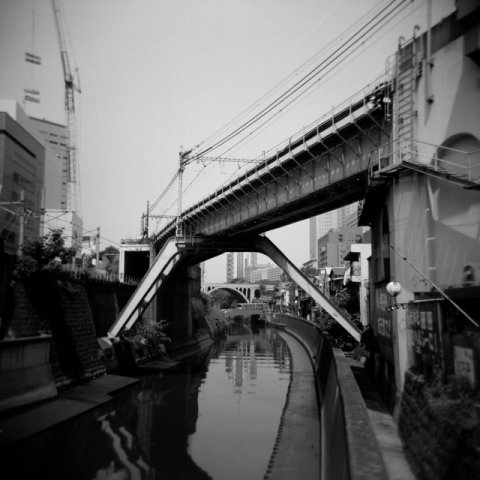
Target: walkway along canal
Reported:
point(219, 415)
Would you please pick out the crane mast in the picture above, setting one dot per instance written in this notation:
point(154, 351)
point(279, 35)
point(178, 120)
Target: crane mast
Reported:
point(70, 88)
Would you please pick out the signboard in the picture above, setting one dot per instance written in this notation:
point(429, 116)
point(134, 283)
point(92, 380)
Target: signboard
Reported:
point(464, 363)
point(424, 335)
point(384, 322)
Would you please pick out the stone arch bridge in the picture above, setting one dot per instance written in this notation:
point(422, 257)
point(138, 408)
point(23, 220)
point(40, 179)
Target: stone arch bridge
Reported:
point(245, 292)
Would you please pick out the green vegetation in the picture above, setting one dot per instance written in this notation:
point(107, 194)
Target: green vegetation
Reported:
point(440, 426)
point(46, 254)
point(149, 339)
point(335, 333)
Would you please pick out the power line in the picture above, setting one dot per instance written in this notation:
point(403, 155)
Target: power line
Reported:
point(332, 71)
point(311, 75)
point(293, 74)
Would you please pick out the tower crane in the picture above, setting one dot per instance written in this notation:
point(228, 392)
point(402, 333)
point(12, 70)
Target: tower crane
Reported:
point(70, 87)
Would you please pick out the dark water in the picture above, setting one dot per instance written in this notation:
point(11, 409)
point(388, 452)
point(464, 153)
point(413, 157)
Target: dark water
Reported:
point(214, 417)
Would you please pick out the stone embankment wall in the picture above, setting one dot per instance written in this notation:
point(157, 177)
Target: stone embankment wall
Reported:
point(440, 429)
point(75, 313)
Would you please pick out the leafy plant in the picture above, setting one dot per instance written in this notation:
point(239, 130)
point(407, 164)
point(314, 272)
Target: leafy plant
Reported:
point(150, 339)
point(48, 253)
point(336, 334)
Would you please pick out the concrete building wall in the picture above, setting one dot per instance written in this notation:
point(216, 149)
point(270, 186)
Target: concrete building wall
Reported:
point(333, 246)
point(22, 167)
point(55, 140)
point(427, 229)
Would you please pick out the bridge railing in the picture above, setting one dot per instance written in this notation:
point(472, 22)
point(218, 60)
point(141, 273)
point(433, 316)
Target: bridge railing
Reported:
point(349, 447)
point(460, 163)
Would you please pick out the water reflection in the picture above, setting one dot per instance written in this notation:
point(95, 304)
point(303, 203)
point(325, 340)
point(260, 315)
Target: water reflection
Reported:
point(240, 405)
point(202, 420)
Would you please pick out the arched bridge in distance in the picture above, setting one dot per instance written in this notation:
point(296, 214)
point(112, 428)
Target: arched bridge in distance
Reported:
point(243, 292)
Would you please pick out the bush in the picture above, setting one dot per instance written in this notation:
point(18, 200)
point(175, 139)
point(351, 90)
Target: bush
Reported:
point(149, 340)
point(335, 333)
point(47, 254)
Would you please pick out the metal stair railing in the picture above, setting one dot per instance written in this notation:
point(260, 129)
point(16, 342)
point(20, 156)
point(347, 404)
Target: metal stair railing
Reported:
point(149, 285)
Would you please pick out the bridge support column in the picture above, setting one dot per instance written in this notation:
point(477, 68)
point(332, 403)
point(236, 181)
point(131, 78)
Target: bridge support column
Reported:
point(175, 301)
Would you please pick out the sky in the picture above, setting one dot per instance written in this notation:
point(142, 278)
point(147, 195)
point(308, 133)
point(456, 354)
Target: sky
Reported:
point(156, 75)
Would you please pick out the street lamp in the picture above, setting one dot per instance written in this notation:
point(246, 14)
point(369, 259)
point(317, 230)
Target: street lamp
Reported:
point(393, 289)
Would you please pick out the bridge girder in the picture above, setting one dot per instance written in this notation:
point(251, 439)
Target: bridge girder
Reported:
point(323, 170)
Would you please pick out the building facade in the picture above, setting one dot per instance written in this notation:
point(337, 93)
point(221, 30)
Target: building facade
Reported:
point(334, 245)
point(423, 206)
point(56, 193)
point(22, 172)
point(320, 225)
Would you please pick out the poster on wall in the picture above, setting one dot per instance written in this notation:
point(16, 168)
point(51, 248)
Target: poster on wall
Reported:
point(424, 335)
point(464, 363)
point(384, 321)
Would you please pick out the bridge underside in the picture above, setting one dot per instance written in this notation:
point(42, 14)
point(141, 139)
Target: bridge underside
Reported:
point(180, 253)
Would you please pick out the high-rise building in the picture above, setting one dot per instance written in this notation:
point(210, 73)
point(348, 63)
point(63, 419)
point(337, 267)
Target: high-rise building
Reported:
point(333, 246)
point(322, 224)
point(55, 135)
point(56, 188)
point(240, 265)
point(230, 262)
point(22, 172)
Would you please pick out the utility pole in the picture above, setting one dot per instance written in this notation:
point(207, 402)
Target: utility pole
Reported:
point(184, 160)
point(21, 232)
point(147, 221)
point(97, 245)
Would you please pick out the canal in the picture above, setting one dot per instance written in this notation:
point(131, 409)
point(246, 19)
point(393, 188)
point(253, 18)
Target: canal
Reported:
point(215, 416)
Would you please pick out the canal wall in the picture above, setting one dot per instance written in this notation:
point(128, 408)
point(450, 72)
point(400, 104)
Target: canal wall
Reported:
point(349, 447)
point(60, 308)
point(71, 314)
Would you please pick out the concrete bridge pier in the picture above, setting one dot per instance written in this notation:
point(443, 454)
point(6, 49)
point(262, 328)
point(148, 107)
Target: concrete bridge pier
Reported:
point(176, 299)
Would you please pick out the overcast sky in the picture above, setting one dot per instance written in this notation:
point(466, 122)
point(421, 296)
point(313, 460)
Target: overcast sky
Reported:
point(158, 74)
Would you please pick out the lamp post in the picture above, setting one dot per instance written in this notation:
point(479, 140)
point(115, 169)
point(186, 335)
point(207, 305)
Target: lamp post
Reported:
point(393, 289)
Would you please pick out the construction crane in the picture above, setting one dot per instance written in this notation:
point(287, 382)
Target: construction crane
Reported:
point(70, 87)
point(184, 160)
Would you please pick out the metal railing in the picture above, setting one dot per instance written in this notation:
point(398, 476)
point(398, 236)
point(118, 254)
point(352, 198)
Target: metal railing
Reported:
point(391, 153)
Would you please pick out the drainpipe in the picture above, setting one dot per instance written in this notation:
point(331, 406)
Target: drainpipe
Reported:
point(429, 64)
point(430, 246)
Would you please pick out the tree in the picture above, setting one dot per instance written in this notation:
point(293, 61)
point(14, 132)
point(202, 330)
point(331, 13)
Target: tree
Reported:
point(223, 299)
point(110, 258)
point(336, 334)
point(45, 254)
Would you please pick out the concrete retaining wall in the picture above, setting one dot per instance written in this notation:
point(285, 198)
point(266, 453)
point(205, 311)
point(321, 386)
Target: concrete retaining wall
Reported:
point(60, 308)
point(25, 371)
point(349, 446)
